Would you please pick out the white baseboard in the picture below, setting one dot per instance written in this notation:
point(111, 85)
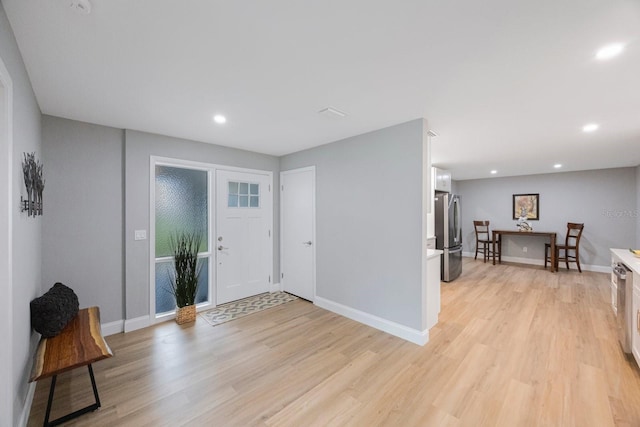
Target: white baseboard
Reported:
point(534, 261)
point(597, 268)
point(275, 287)
point(26, 410)
point(112, 328)
point(136, 323)
point(412, 335)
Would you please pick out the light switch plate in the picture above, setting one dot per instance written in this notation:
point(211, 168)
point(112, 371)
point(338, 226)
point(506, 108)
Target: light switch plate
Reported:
point(140, 235)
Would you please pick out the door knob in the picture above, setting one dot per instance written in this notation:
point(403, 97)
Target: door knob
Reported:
point(307, 243)
point(220, 248)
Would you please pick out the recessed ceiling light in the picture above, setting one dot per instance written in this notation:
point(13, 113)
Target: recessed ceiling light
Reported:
point(557, 165)
point(609, 51)
point(493, 172)
point(590, 127)
point(219, 119)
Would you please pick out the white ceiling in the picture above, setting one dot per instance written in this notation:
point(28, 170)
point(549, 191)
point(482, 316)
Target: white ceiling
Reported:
point(506, 84)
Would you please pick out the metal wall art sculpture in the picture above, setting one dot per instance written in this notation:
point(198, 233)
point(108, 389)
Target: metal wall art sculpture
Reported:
point(34, 183)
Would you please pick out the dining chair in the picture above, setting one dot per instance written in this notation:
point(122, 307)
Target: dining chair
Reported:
point(571, 247)
point(483, 239)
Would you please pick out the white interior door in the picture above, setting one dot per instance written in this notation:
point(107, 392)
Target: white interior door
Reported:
point(297, 223)
point(243, 244)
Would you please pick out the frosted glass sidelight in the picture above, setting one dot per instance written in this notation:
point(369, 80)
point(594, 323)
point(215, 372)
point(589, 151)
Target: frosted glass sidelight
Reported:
point(203, 282)
point(181, 205)
point(165, 302)
point(164, 299)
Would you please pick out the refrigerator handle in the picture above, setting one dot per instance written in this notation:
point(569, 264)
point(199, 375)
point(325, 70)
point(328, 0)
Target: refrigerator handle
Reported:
point(456, 221)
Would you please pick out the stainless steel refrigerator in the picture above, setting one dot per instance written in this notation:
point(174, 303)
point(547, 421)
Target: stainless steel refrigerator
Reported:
point(449, 234)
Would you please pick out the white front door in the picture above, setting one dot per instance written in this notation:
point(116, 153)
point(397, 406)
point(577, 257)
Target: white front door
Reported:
point(243, 242)
point(297, 213)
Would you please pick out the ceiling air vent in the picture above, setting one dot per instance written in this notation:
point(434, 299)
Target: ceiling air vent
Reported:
point(332, 112)
point(83, 7)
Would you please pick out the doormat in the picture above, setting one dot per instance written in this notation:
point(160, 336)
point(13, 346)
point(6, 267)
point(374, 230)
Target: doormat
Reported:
point(236, 309)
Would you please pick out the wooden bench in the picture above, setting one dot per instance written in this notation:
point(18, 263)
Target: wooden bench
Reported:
point(79, 344)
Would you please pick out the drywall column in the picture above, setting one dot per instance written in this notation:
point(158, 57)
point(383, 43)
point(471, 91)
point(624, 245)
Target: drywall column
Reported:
point(82, 229)
point(369, 215)
point(26, 246)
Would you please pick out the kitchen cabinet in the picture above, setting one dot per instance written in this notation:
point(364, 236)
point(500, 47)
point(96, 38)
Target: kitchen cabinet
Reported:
point(431, 242)
point(442, 180)
point(633, 263)
point(635, 318)
point(431, 292)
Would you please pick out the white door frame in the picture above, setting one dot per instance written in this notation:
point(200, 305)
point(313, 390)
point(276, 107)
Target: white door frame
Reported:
point(313, 237)
point(6, 235)
point(211, 168)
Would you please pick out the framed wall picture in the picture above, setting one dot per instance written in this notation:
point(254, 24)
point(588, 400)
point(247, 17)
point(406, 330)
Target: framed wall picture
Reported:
point(527, 205)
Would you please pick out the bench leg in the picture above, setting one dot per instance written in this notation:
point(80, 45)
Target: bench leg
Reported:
point(77, 413)
point(51, 388)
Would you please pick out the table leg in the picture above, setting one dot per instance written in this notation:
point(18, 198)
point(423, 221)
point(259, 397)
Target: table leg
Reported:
point(493, 248)
point(52, 387)
point(554, 261)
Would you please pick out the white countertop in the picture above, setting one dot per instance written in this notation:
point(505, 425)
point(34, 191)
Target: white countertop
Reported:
point(628, 259)
point(432, 253)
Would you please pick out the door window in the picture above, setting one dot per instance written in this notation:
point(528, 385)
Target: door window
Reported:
point(243, 195)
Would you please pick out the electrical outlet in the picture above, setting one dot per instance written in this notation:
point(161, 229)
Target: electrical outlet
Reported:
point(524, 249)
point(140, 235)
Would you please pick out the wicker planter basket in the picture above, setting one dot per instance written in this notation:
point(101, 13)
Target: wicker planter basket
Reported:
point(185, 314)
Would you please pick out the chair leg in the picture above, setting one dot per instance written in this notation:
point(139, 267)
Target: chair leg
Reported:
point(546, 255)
point(477, 244)
point(578, 261)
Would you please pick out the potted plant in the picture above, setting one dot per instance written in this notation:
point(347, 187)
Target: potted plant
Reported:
point(184, 281)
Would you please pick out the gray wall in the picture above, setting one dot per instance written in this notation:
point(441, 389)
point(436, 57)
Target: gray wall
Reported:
point(83, 227)
point(26, 231)
point(637, 212)
point(139, 147)
point(369, 221)
point(90, 221)
point(604, 200)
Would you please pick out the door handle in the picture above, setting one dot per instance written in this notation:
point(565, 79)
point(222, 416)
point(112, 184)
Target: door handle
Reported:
point(308, 243)
point(220, 248)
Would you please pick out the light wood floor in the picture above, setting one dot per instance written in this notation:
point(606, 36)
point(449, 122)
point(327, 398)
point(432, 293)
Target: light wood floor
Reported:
point(515, 346)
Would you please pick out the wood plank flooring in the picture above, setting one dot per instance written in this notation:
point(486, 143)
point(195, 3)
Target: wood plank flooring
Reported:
point(515, 346)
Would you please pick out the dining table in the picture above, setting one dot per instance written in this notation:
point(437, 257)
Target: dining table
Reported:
point(497, 240)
